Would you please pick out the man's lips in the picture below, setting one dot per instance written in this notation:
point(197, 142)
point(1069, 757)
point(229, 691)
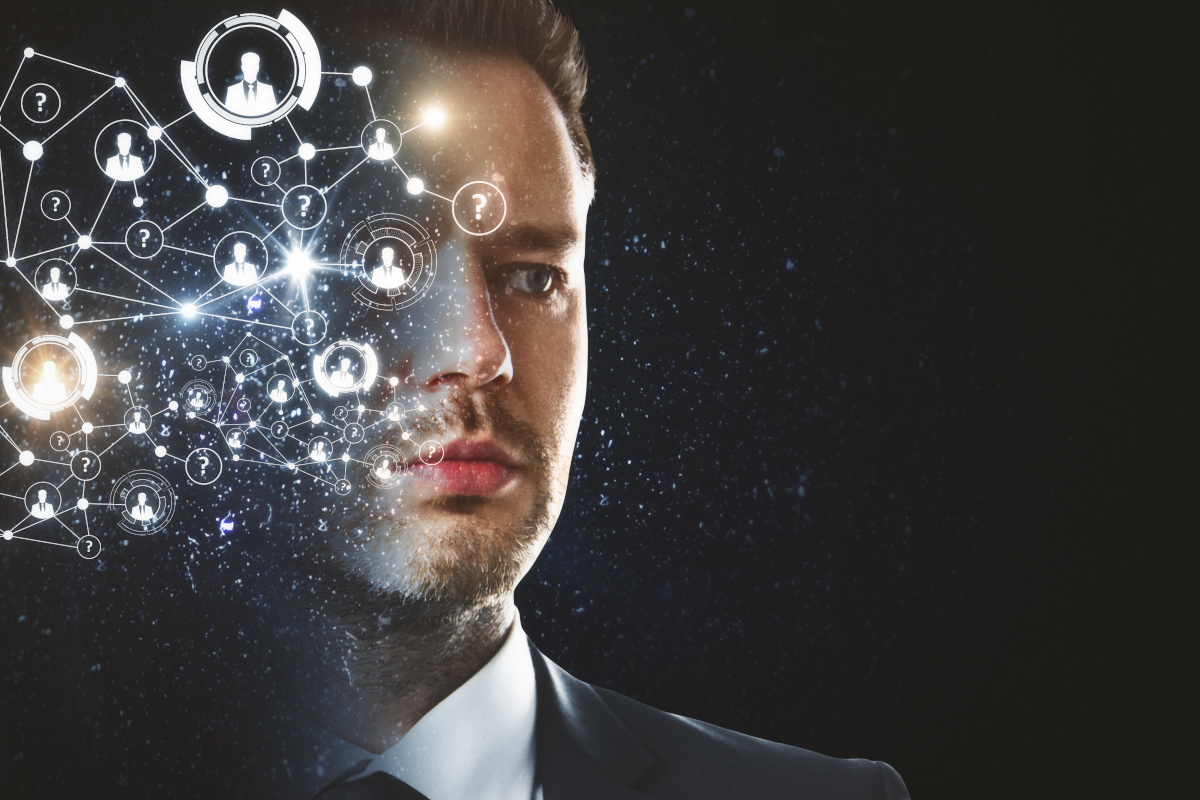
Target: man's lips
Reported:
point(478, 466)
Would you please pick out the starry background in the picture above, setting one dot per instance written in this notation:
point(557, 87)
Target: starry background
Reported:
point(862, 453)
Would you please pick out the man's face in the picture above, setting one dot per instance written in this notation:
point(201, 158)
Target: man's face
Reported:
point(250, 67)
point(496, 352)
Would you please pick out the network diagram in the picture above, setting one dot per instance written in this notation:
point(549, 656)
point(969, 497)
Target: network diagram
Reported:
point(277, 392)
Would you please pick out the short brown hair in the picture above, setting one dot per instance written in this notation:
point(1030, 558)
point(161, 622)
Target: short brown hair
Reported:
point(532, 30)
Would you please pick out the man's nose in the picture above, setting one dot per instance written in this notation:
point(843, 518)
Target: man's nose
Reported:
point(457, 341)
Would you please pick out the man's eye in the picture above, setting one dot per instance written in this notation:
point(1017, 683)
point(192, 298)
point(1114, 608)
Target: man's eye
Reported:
point(535, 279)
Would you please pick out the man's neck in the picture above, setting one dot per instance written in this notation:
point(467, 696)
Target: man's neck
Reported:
point(369, 667)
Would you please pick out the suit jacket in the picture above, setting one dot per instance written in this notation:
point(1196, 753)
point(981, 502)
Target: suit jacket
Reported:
point(597, 744)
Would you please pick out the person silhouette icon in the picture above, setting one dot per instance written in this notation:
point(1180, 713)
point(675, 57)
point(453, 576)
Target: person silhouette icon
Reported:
point(41, 509)
point(235, 440)
point(381, 149)
point(279, 394)
point(49, 389)
point(343, 377)
point(124, 166)
point(142, 512)
point(318, 452)
point(250, 97)
point(137, 424)
point(383, 469)
point(388, 275)
point(240, 272)
point(55, 289)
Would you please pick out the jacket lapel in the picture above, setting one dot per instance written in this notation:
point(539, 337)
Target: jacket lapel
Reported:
point(584, 750)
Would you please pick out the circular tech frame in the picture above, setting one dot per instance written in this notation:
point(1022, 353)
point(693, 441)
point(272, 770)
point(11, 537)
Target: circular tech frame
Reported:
point(409, 240)
point(40, 404)
point(160, 497)
point(206, 97)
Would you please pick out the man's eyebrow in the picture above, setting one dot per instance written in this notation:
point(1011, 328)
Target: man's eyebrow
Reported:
point(532, 236)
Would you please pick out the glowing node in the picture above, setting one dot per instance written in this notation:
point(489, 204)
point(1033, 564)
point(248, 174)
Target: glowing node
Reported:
point(8, 535)
point(299, 263)
point(88, 427)
point(346, 458)
point(239, 377)
point(236, 457)
point(82, 504)
point(435, 117)
point(191, 415)
point(154, 132)
point(394, 381)
point(124, 376)
point(361, 76)
point(173, 405)
point(188, 310)
point(32, 150)
point(252, 423)
point(307, 151)
point(26, 458)
point(292, 466)
point(85, 242)
point(361, 408)
point(137, 202)
point(10, 261)
point(415, 186)
point(216, 196)
point(120, 83)
point(66, 321)
point(316, 419)
point(405, 436)
point(29, 52)
point(225, 359)
point(160, 451)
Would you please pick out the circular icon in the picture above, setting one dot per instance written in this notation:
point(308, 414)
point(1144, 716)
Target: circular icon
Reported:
point(203, 466)
point(40, 103)
point(265, 171)
point(394, 412)
point(144, 239)
point(124, 150)
point(342, 487)
point(88, 547)
point(243, 404)
point(345, 366)
point(280, 388)
point(138, 419)
point(49, 374)
point(198, 362)
point(251, 70)
point(60, 441)
point(354, 433)
point(42, 500)
point(394, 259)
point(56, 204)
point(85, 465)
point(55, 279)
point(279, 429)
point(235, 438)
point(320, 449)
point(248, 358)
point(309, 327)
point(199, 396)
point(240, 258)
point(432, 453)
point(381, 140)
point(385, 466)
point(479, 208)
point(146, 500)
point(340, 413)
point(304, 207)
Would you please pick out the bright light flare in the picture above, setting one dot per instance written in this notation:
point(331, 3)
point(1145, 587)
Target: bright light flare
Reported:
point(435, 117)
point(188, 310)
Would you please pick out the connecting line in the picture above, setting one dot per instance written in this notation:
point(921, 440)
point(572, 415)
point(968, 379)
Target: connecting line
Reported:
point(46, 252)
point(123, 319)
point(140, 278)
point(43, 541)
point(77, 116)
point(435, 194)
point(169, 143)
point(402, 172)
point(367, 89)
point(103, 206)
point(76, 66)
point(126, 299)
point(235, 319)
point(24, 201)
point(13, 83)
point(181, 119)
point(33, 286)
point(16, 138)
point(293, 127)
point(413, 128)
point(72, 224)
point(185, 216)
point(332, 149)
point(215, 285)
point(4, 201)
point(347, 175)
point(139, 107)
point(256, 202)
point(189, 252)
point(73, 533)
point(104, 452)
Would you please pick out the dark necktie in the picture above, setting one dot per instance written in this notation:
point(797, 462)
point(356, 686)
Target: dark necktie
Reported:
point(376, 786)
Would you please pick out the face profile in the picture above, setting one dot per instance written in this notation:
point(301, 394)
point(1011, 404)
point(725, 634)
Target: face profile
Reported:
point(124, 166)
point(249, 96)
point(240, 271)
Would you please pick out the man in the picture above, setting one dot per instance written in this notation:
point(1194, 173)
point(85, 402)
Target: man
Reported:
point(124, 166)
point(408, 649)
point(381, 149)
point(240, 272)
point(55, 289)
point(387, 275)
point(41, 509)
point(250, 97)
point(142, 512)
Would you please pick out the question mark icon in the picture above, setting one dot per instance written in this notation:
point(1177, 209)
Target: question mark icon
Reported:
point(145, 234)
point(203, 465)
point(432, 450)
point(41, 100)
point(57, 202)
point(266, 165)
point(305, 202)
point(88, 544)
point(480, 202)
point(309, 322)
point(87, 465)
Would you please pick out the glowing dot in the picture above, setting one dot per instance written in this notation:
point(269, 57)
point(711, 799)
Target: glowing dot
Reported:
point(88, 427)
point(404, 436)
point(120, 83)
point(236, 457)
point(124, 376)
point(26, 458)
point(307, 151)
point(300, 263)
point(219, 423)
point(435, 117)
point(82, 504)
point(415, 186)
point(346, 457)
point(241, 376)
point(29, 52)
point(66, 321)
point(217, 196)
point(361, 408)
point(361, 76)
point(160, 451)
point(10, 261)
point(32, 150)
point(393, 380)
point(225, 359)
point(291, 466)
point(173, 405)
point(316, 419)
point(188, 310)
point(191, 415)
point(154, 132)
point(85, 242)
point(137, 202)
point(8, 535)
point(252, 423)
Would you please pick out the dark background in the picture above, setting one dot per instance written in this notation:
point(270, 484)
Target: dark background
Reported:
point(866, 465)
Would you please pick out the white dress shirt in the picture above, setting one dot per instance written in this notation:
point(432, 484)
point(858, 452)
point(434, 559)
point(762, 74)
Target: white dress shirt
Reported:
point(477, 744)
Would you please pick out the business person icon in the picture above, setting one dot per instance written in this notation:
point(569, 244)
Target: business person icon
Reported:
point(343, 377)
point(56, 289)
point(235, 440)
point(279, 391)
point(250, 97)
point(43, 508)
point(381, 149)
point(240, 272)
point(49, 389)
point(124, 166)
point(388, 275)
point(137, 424)
point(319, 449)
point(142, 511)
